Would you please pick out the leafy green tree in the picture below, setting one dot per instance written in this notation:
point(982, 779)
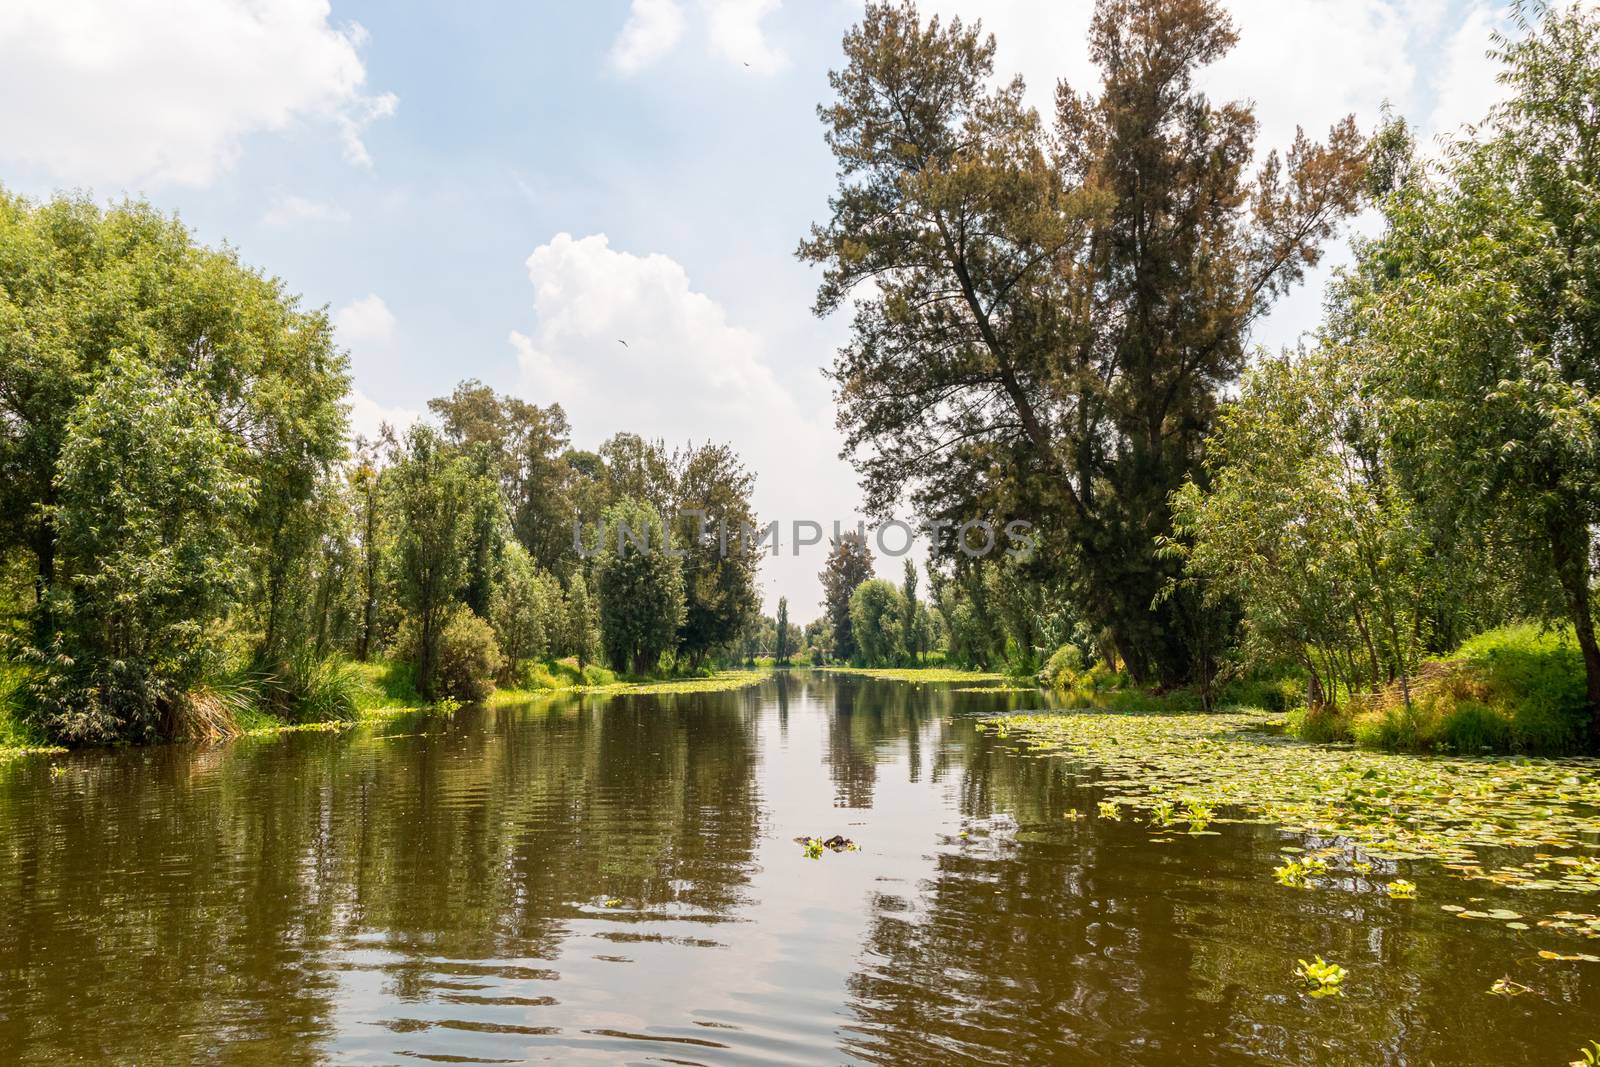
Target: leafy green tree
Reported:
point(641, 588)
point(1053, 315)
point(582, 630)
point(712, 507)
point(876, 612)
point(520, 608)
point(780, 651)
point(432, 492)
point(849, 564)
point(367, 520)
point(1306, 528)
point(146, 512)
point(528, 444)
point(82, 286)
point(908, 610)
point(1481, 303)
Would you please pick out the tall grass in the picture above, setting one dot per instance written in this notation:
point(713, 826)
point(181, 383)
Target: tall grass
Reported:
point(1515, 689)
point(311, 688)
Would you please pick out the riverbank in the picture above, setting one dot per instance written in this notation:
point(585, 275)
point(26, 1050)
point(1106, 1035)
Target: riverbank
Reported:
point(382, 690)
point(923, 675)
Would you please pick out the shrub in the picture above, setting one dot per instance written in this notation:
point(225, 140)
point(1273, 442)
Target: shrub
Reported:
point(1063, 669)
point(469, 658)
point(1471, 728)
point(1323, 724)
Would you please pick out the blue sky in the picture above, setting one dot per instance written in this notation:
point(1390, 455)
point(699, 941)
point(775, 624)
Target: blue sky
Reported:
point(501, 190)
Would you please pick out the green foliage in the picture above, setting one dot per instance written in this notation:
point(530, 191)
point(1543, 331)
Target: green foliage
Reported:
point(526, 608)
point(1064, 668)
point(146, 513)
point(1483, 321)
point(849, 564)
point(432, 495)
point(712, 511)
point(311, 688)
point(469, 658)
point(581, 630)
point(641, 589)
point(1304, 526)
point(1047, 330)
point(780, 652)
point(877, 609)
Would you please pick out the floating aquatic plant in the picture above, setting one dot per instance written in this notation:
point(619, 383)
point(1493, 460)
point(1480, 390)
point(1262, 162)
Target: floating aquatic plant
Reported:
point(1505, 987)
point(1589, 1057)
point(1109, 809)
point(1321, 977)
point(1382, 806)
point(1400, 889)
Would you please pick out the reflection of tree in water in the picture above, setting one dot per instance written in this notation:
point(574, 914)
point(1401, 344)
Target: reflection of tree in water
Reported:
point(867, 716)
point(181, 899)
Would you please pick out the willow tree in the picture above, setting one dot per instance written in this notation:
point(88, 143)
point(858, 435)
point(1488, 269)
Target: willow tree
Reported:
point(1051, 312)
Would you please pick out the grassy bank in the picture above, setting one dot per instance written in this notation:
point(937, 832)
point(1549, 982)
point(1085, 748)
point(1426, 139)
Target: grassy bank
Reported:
point(1519, 689)
point(922, 675)
point(538, 678)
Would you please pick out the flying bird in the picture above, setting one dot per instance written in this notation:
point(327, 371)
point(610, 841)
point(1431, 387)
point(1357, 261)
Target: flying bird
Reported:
point(621, 342)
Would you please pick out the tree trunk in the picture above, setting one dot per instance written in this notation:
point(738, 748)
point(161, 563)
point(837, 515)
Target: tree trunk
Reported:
point(1569, 547)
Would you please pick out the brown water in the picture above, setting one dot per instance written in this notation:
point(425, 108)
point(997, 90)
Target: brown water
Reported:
point(616, 880)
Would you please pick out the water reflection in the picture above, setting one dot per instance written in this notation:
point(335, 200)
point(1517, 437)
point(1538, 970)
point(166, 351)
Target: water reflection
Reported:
point(616, 880)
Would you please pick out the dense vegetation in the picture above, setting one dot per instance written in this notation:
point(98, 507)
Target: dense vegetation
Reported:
point(1390, 527)
point(1055, 331)
point(189, 544)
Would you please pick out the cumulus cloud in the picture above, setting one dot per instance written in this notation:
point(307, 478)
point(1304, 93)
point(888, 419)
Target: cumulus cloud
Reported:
point(368, 417)
point(291, 210)
point(652, 30)
point(125, 92)
point(733, 31)
point(732, 28)
point(1466, 85)
point(625, 342)
point(366, 319)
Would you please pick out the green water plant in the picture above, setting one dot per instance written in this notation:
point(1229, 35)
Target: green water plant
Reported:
point(1400, 889)
point(1322, 978)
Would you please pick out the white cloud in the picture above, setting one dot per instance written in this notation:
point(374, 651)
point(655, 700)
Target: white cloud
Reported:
point(1466, 88)
point(686, 372)
point(292, 210)
point(652, 30)
point(733, 32)
point(368, 417)
point(124, 92)
point(366, 319)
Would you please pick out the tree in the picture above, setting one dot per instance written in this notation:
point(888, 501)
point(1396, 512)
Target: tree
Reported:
point(147, 508)
point(908, 610)
point(582, 628)
point(641, 589)
point(366, 501)
point(1052, 318)
point(432, 493)
point(712, 507)
point(1305, 527)
point(780, 652)
point(84, 287)
point(1481, 303)
point(520, 607)
point(528, 444)
point(849, 564)
point(876, 611)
